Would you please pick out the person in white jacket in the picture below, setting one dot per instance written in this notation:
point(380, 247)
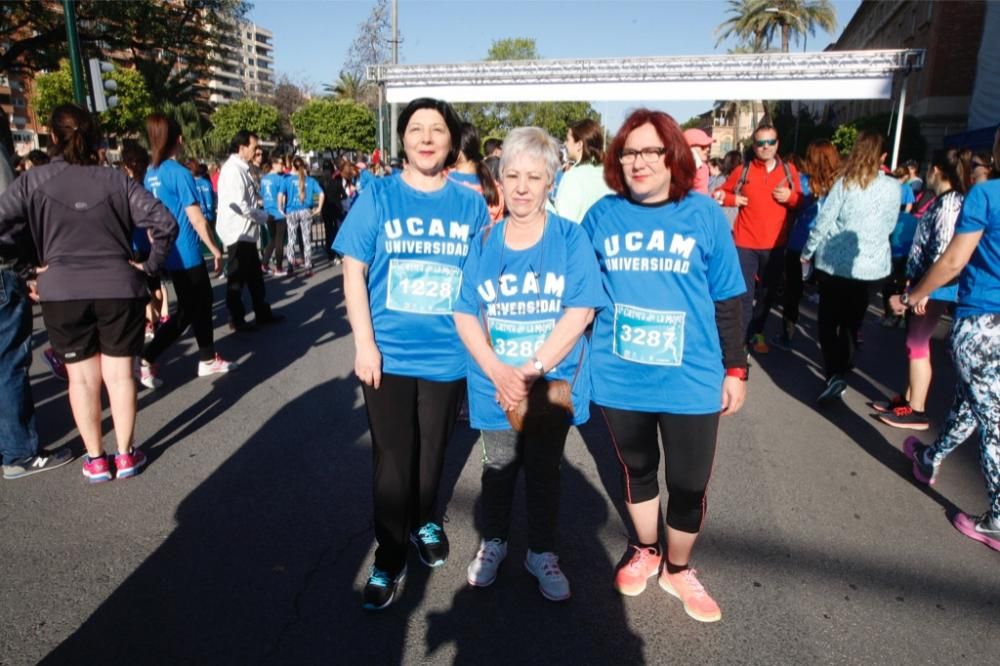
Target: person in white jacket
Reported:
point(238, 224)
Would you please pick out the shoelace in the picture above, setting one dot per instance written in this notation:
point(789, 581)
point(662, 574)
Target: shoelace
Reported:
point(490, 552)
point(550, 565)
point(430, 534)
point(694, 585)
point(639, 559)
point(904, 410)
point(379, 577)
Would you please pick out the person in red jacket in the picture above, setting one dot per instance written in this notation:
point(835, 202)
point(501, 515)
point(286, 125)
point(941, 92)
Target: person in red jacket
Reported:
point(766, 191)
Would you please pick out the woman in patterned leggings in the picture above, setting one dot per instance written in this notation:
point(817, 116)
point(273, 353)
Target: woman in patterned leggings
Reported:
point(975, 342)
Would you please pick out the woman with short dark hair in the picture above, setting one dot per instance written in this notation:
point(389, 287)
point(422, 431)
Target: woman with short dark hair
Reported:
point(667, 350)
point(93, 295)
point(404, 243)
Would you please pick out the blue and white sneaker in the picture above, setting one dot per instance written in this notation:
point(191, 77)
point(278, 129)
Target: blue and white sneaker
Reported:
point(381, 589)
point(432, 544)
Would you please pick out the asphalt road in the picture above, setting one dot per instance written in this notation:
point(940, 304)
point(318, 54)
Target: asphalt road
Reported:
point(247, 538)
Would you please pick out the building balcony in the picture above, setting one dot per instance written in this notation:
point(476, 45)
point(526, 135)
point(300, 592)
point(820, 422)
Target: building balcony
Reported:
point(225, 86)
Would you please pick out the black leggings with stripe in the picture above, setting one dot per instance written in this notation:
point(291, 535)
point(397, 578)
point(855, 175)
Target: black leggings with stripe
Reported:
point(688, 451)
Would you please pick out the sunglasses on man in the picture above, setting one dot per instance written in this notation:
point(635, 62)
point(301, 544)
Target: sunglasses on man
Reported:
point(760, 143)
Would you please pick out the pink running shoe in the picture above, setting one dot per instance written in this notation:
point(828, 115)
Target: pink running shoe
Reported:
point(638, 565)
point(216, 366)
point(980, 528)
point(55, 364)
point(685, 586)
point(129, 464)
point(97, 470)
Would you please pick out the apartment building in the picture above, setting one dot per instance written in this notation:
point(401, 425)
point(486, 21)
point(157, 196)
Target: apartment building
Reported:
point(245, 64)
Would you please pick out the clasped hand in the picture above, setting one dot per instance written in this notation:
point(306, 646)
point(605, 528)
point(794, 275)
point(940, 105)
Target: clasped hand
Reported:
point(512, 384)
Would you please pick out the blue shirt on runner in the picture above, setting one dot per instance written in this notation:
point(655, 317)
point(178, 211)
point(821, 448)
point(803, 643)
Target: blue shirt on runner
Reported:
point(175, 187)
point(414, 244)
point(271, 186)
point(979, 284)
point(522, 294)
point(365, 178)
point(805, 217)
point(293, 203)
point(206, 197)
point(655, 347)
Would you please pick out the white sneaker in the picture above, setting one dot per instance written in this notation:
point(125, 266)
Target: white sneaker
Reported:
point(216, 366)
point(551, 581)
point(483, 570)
point(146, 375)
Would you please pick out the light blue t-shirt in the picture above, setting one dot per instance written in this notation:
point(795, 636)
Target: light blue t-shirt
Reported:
point(415, 244)
point(655, 346)
point(175, 187)
point(271, 186)
point(979, 284)
point(522, 295)
point(293, 202)
point(206, 197)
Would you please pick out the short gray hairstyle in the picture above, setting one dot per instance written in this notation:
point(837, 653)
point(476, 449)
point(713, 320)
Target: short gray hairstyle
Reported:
point(533, 142)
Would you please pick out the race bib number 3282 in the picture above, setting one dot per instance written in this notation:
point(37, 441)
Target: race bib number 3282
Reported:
point(651, 337)
point(422, 287)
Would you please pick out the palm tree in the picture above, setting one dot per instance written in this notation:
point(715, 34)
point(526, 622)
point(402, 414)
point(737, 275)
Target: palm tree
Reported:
point(348, 86)
point(757, 21)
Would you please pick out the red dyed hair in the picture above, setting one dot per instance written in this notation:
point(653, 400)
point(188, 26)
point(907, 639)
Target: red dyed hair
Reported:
point(677, 158)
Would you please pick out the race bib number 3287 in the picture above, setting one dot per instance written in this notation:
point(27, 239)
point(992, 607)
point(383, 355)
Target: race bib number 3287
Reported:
point(651, 337)
point(422, 287)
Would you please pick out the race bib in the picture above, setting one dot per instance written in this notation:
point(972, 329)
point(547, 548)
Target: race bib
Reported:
point(652, 337)
point(517, 341)
point(422, 287)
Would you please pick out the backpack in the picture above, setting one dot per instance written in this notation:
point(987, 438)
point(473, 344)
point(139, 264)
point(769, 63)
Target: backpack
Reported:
point(738, 190)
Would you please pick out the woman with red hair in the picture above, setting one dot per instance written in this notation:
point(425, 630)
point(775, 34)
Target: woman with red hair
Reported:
point(667, 351)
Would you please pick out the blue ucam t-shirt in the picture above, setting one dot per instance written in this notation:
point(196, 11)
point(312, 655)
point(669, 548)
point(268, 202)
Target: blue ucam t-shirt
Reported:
point(979, 284)
point(805, 217)
point(365, 178)
point(206, 197)
point(655, 347)
point(271, 186)
point(293, 203)
point(415, 244)
point(522, 294)
point(175, 187)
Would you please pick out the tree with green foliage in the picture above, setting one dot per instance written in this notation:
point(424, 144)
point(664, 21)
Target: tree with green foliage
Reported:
point(228, 119)
point(844, 137)
point(350, 87)
point(326, 124)
point(168, 43)
point(498, 118)
point(198, 142)
point(127, 117)
point(694, 122)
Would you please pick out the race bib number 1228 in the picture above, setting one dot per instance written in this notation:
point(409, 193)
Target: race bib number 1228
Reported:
point(422, 287)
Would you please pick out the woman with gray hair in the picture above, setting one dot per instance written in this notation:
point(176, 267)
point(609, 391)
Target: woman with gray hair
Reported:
point(529, 289)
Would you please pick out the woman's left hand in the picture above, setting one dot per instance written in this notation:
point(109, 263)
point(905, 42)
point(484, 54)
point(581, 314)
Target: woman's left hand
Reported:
point(920, 307)
point(734, 394)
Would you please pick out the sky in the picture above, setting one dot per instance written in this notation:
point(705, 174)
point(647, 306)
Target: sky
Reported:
point(311, 37)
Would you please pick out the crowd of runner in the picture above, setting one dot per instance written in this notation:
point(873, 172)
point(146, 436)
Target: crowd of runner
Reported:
point(501, 284)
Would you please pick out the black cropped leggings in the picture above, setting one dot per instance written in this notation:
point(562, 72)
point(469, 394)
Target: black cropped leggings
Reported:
point(689, 453)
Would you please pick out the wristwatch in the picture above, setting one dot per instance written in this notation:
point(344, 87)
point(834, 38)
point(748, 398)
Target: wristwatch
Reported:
point(538, 365)
point(742, 373)
point(904, 298)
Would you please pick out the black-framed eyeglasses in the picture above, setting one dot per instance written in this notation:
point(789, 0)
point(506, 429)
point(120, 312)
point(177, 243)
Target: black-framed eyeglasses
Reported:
point(650, 154)
point(760, 143)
